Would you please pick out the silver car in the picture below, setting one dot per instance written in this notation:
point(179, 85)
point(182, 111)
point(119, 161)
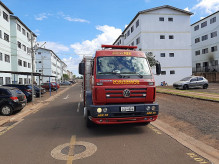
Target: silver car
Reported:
point(191, 82)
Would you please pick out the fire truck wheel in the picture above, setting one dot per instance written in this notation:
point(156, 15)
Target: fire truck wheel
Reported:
point(89, 123)
point(144, 124)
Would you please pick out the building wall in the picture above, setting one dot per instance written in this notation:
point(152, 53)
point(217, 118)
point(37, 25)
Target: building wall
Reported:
point(5, 46)
point(21, 55)
point(205, 44)
point(149, 31)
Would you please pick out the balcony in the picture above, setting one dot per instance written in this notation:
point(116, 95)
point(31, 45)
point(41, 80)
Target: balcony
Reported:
point(205, 69)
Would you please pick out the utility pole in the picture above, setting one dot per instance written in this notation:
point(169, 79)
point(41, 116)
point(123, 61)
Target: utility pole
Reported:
point(32, 56)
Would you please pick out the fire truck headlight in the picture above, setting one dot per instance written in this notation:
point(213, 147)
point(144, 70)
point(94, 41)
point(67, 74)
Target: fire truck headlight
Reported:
point(153, 108)
point(99, 110)
point(148, 108)
point(104, 110)
point(99, 83)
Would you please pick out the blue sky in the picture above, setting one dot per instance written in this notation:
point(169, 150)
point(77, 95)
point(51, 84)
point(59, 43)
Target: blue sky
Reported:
point(72, 28)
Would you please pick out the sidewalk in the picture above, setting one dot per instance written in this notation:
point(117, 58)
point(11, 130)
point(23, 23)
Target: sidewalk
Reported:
point(198, 93)
point(32, 108)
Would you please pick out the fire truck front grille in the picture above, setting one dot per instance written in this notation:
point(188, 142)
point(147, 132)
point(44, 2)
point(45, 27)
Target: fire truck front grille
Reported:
point(119, 93)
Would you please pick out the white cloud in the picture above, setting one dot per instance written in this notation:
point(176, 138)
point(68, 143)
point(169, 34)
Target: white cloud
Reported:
point(37, 32)
point(76, 20)
point(88, 47)
point(186, 9)
point(56, 47)
point(209, 6)
point(70, 19)
point(147, 1)
point(72, 63)
point(41, 16)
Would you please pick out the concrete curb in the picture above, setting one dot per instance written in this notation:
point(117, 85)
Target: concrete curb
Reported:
point(198, 147)
point(189, 96)
point(34, 108)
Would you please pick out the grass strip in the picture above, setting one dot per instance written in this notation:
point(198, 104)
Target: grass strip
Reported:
point(187, 91)
point(191, 96)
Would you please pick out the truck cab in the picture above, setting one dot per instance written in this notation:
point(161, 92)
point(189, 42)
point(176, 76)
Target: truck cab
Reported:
point(119, 87)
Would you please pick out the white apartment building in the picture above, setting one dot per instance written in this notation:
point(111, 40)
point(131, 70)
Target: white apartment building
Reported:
point(5, 44)
point(48, 63)
point(165, 32)
point(21, 59)
point(205, 44)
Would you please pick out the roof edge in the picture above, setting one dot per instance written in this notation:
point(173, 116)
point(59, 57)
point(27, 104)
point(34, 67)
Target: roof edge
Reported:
point(10, 12)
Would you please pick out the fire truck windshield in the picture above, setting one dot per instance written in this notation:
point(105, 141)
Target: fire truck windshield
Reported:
point(122, 65)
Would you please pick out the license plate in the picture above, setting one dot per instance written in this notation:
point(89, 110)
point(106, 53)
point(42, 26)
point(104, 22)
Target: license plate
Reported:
point(127, 109)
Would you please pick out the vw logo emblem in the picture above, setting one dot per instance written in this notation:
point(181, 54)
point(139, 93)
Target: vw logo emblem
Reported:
point(126, 93)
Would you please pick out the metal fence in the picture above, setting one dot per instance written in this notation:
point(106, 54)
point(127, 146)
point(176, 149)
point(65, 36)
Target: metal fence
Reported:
point(206, 69)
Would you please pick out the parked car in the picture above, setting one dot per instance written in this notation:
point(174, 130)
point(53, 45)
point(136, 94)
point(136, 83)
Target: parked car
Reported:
point(72, 81)
point(37, 90)
point(26, 89)
point(11, 99)
point(191, 82)
point(65, 83)
point(54, 86)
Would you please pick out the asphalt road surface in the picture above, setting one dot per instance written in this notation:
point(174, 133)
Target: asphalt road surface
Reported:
point(57, 134)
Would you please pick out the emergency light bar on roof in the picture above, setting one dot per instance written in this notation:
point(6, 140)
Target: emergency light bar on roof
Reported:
point(119, 47)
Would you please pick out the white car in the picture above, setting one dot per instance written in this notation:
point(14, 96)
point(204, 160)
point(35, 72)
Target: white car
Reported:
point(191, 82)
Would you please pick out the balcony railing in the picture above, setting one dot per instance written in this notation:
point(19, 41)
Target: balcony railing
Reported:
point(206, 69)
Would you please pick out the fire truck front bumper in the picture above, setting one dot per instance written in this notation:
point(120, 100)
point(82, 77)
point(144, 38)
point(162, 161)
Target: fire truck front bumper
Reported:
point(121, 114)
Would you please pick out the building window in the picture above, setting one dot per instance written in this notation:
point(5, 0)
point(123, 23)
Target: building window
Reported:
point(18, 27)
point(163, 72)
point(213, 48)
point(197, 40)
point(137, 40)
point(196, 27)
point(125, 36)
point(19, 44)
point(205, 51)
point(39, 61)
point(6, 37)
point(1, 80)
point(19, 62)
point(197, 52)
point(172, 72)
point(170, 19)
point(20, 81)
point(40, 70)
point(29, 65)
point(0, 33)
point(39, 53)
point(27, 35)
point(205, 37)
point(171, 37)
point(132, 44)
point(7, 80)
point(25, 64)
point(24, 47)
point(171, 54)
point(161, 19)
point(7, 58)
point(132, 29)
point(198, 65)
point(213, 34)
point(1, 57)
point(212, 20)
point(5, 16)
point(137, 23)
point(162, 36)
point(128, 33)
point(162, 54)
point(23, 31)
point(203, 24)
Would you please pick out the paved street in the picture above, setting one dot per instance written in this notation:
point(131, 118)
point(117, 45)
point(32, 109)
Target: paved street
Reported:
point(57, 134)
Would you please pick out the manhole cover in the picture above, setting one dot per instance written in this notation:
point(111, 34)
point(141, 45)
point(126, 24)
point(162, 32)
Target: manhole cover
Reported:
point(77, 149)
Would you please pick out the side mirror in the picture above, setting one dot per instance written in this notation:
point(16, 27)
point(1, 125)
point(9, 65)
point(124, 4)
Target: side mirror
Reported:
point(81, 68)
point(158, 68)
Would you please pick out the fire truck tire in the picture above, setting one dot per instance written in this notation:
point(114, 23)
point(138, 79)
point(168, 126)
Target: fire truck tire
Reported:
point(89, 123)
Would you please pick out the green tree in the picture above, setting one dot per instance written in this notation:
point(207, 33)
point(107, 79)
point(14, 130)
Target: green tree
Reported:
point(65, 77)
point(151, 58)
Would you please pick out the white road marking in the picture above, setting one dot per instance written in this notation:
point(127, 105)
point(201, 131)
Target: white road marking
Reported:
point(66, 97)
point(78, 107)
point(90, 150)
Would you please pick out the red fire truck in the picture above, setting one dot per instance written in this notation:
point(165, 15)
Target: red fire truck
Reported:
point(118, 87)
